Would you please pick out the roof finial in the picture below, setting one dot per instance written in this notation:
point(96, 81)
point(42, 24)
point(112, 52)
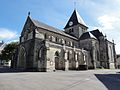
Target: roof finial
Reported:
point(113, 40)
point(29, 13)
point(75, 5)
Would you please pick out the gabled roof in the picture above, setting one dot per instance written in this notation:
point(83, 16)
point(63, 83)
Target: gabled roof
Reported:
point(87, 35)
point(50, 28)
point(76, 19)
point(92, 36)
point(97, 33)
point(79, 18)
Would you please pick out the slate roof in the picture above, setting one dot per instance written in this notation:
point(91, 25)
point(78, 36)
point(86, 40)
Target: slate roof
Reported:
point(79, 18)
point(76, 19)
point(50, 28)
point(96, 33)
point(87, 35)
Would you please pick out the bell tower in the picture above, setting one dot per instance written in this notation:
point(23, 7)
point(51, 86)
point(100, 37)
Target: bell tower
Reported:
point(75, 25)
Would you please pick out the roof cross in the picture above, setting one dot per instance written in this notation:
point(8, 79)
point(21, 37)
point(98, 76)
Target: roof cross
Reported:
point(29, 13)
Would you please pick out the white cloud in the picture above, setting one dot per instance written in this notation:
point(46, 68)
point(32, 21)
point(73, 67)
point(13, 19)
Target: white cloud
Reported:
point(109, 26)
point(105, 16)
point(107, 22)
point(7, 34)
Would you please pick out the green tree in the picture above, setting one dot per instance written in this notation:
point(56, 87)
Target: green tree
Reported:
point(8, 51)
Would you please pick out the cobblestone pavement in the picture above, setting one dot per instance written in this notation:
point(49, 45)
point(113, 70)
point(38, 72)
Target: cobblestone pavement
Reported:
point(61, 80)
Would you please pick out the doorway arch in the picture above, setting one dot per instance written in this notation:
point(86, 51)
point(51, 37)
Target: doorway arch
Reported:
point(57, 60)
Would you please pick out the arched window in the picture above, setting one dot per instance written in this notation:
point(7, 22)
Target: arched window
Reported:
point(45, 35)
point(71, 44)
point(77, 56)
point(56, 39)
point(41, 52)
point(68, 43)
point(50, 38)
point(65, 41)
point(53, 38)
point(68, 57)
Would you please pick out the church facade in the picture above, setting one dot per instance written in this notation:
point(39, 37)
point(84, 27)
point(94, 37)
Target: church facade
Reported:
point(45, 48)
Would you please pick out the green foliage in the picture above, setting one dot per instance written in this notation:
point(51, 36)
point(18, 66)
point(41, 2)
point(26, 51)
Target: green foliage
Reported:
point(8, 51)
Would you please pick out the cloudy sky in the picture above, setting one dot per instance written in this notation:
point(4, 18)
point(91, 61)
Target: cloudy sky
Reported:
point(101, 14)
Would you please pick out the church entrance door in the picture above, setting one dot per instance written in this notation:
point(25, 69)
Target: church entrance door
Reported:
point(57, 63)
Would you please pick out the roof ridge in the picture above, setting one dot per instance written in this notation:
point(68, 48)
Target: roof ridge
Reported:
point(79, 18)
point(91, 35)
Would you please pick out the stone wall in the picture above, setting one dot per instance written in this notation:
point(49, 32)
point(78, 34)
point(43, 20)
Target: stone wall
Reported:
point(67, 59)
point(27, 49)
point(111, 55)
point(92, 46)
point(76, 30)
point(103, 52)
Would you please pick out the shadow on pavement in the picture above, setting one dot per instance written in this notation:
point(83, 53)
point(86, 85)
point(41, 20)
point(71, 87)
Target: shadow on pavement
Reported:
point(10, 70)
point(111, 81)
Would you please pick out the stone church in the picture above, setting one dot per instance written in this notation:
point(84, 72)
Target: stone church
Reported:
point(46, 48)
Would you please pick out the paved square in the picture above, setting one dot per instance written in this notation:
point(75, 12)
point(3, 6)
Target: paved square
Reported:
point(61, 80)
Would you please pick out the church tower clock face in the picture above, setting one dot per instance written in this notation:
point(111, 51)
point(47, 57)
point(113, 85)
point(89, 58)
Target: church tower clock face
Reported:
point(70, 23)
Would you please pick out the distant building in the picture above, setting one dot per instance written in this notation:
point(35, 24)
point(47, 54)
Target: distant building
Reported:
point(45, 48)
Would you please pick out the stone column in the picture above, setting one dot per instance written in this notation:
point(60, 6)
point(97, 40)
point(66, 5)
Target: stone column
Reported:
point(66, 65)
point(76, 60)
point(66, 61)
point(94, 59)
